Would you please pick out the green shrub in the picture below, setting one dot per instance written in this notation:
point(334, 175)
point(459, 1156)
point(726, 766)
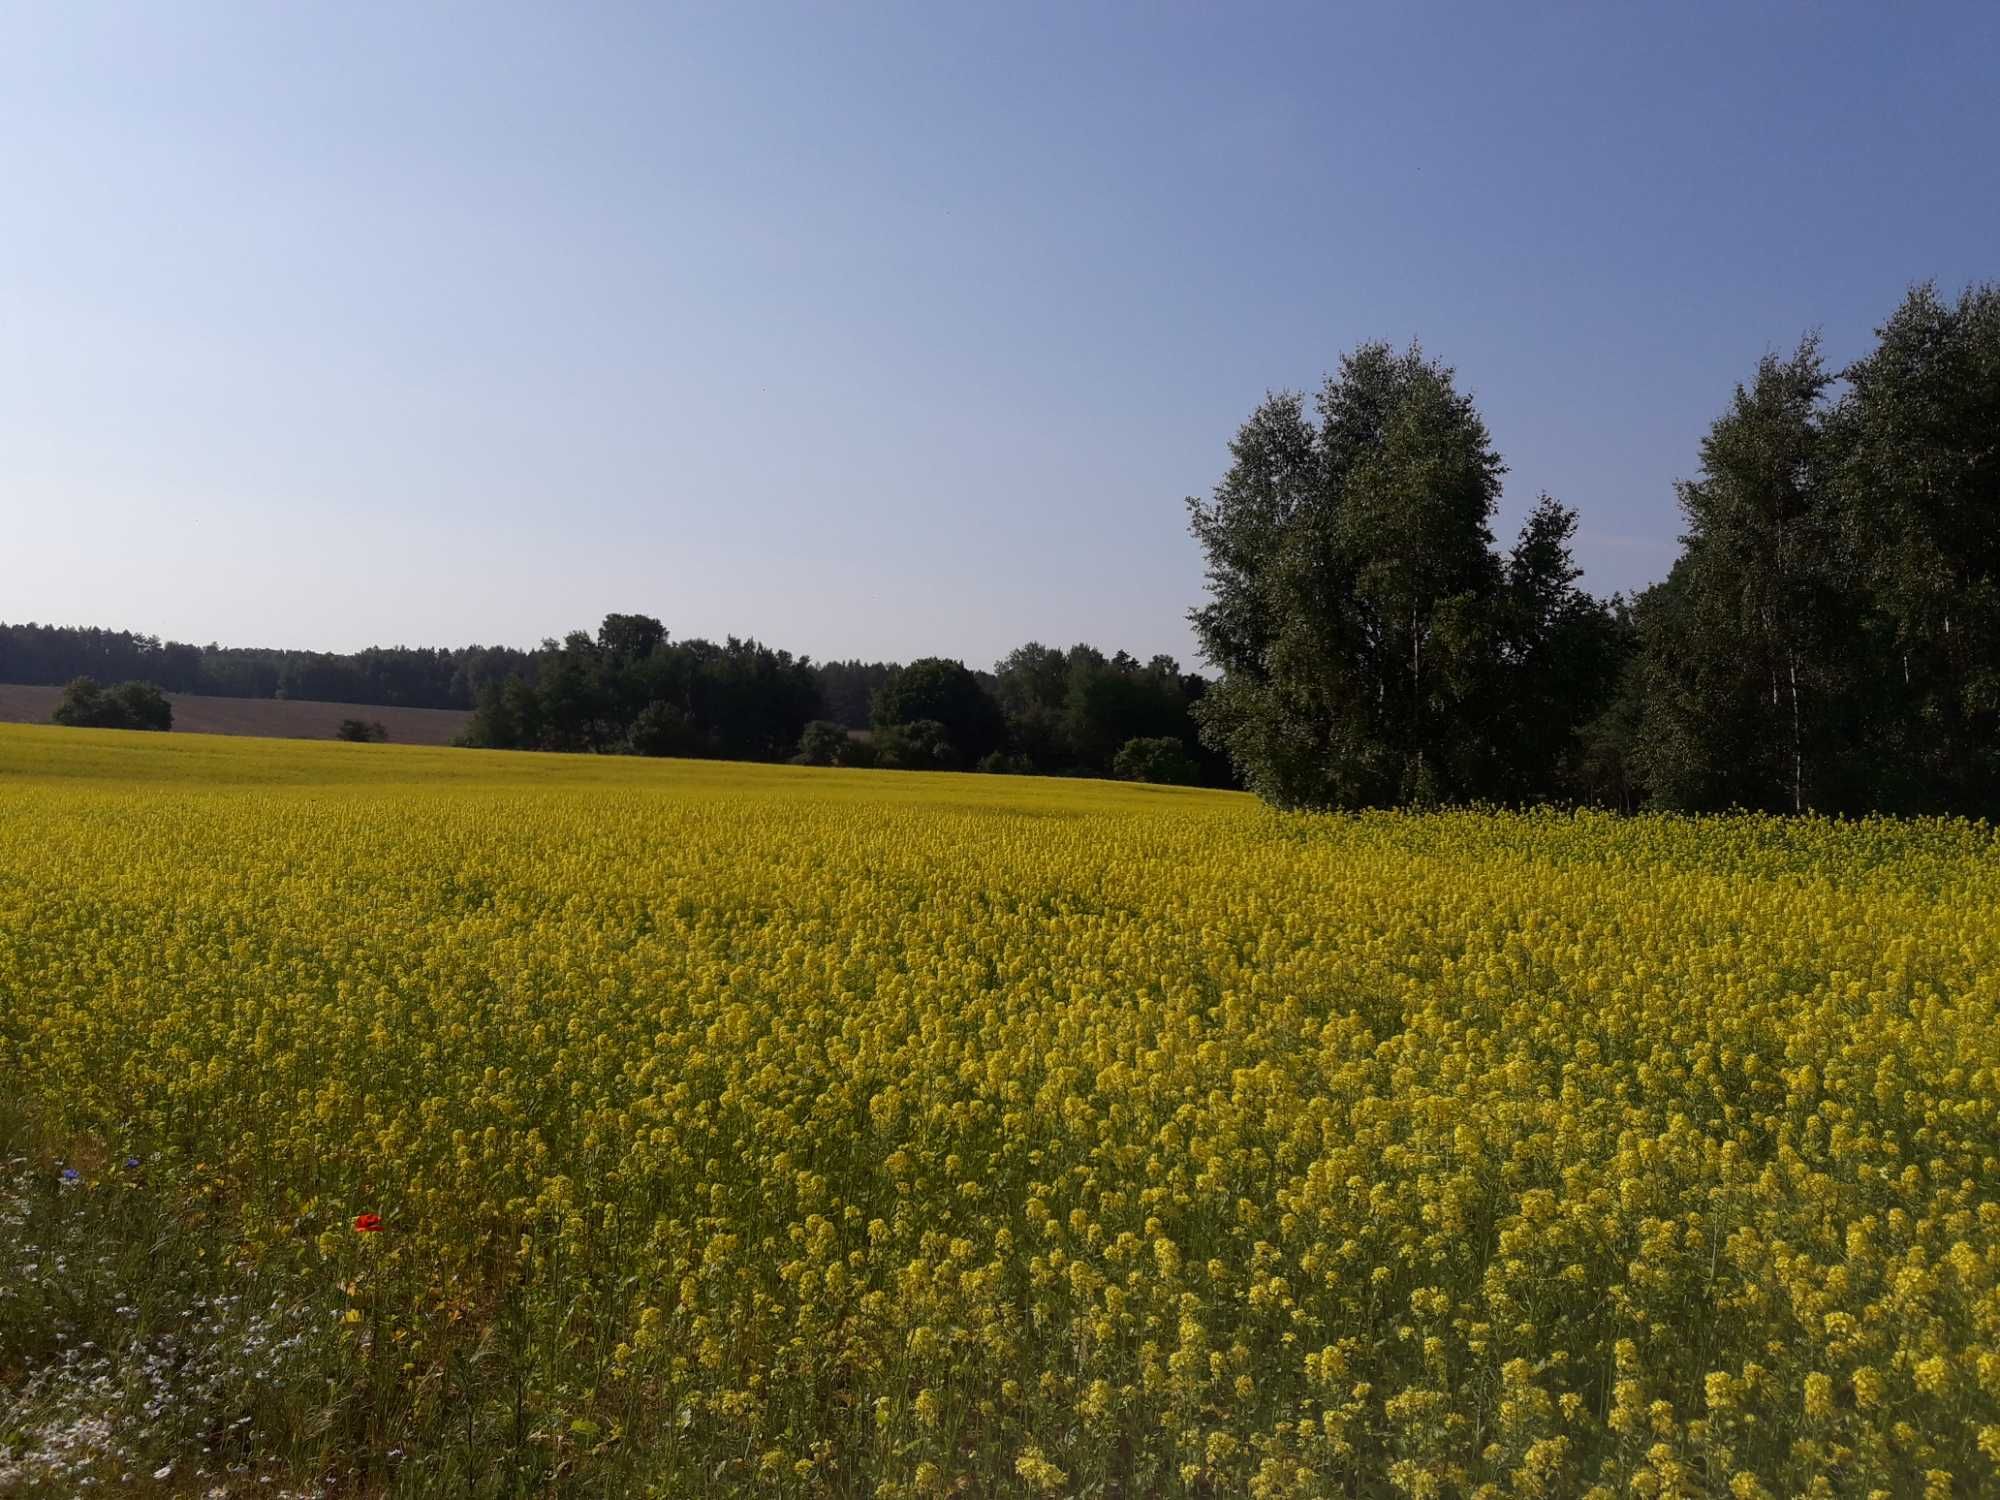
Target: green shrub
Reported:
point(87, 704)
point(1162, 759)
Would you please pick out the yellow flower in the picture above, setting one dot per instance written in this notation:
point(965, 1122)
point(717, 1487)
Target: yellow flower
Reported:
point(1933, 1375)
point(1038, 1473)
point(1867, 1385)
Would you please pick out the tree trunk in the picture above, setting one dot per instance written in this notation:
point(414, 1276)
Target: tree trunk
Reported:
point(1799, 747)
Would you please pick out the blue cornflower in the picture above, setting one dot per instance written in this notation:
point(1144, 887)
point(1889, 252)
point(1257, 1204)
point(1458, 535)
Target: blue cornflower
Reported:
point(131, 1163)
point(70, 1174)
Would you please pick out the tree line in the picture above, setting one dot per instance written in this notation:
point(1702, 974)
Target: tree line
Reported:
point(386, 676)
point(1828, 639)
point(630, 688)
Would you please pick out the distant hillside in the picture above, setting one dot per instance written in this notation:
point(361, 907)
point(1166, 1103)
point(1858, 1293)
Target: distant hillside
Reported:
point(274, 718)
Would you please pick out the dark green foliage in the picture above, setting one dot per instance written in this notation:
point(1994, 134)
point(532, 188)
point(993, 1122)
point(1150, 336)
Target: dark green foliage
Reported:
point(1162, 759)
point(1069, 712)
point(1112, 700)
point(625, 639)
point(1830, 637)
point(1560, 657)
point(1747, 648)
point(1374, 647)
point(1032, 684)
point(88, 704)
point(1916, 476)
point(631, 689)
point(847, 690)
point(508, 717)
point(823, 743)
point(1605, 769)
point(916, 745)
point(398, 676)
point(361, 731)
point(664, 729)
point(932, 689)
point(1006, 763)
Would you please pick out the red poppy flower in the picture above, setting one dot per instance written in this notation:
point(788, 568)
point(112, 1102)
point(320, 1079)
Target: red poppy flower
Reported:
point(367, 1223)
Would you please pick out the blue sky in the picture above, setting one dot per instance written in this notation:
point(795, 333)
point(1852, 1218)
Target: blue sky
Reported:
point(890, 330)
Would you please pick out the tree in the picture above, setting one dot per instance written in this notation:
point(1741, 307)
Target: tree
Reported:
point(1109, 700)
point(917, 745)
point(629, 689)
point(1006, 763)
point(1353, 585)
point(1070, 711)
point(1830, 635)
point(82, 705)
point(823, 743)
point(1562, 654)
point(1745, 647)
point(508, 717)
point(1916, 476)
point(1162, 759)
point(663, 729)
point(1605, 770)
point(754, 701)
point(933, 689)
point(361, 731)
point(87, 704)
point(493, 725)
point(624, 665)
point(1031, 684)
point(847, 689)
point(572, 688)
point(142, 706)
point(630, 638)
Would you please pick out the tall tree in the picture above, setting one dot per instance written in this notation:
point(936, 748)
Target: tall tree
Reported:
point(1562, 653)
point(1746, 669)
point(847, 689)
point(630, 638)
point(1032, 685)
point(1109, 700)
point(932, 689)
point(1918, 482)
point(1354, 589)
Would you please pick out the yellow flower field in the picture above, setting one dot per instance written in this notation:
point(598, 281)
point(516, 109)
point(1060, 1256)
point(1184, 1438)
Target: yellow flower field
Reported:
point(770, 1130)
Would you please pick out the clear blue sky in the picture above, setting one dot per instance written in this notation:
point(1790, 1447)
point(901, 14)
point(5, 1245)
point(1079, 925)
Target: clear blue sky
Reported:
point(885, 331)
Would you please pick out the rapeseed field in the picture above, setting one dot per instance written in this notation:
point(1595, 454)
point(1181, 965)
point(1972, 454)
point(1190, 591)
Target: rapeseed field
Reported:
point(400, 1121)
